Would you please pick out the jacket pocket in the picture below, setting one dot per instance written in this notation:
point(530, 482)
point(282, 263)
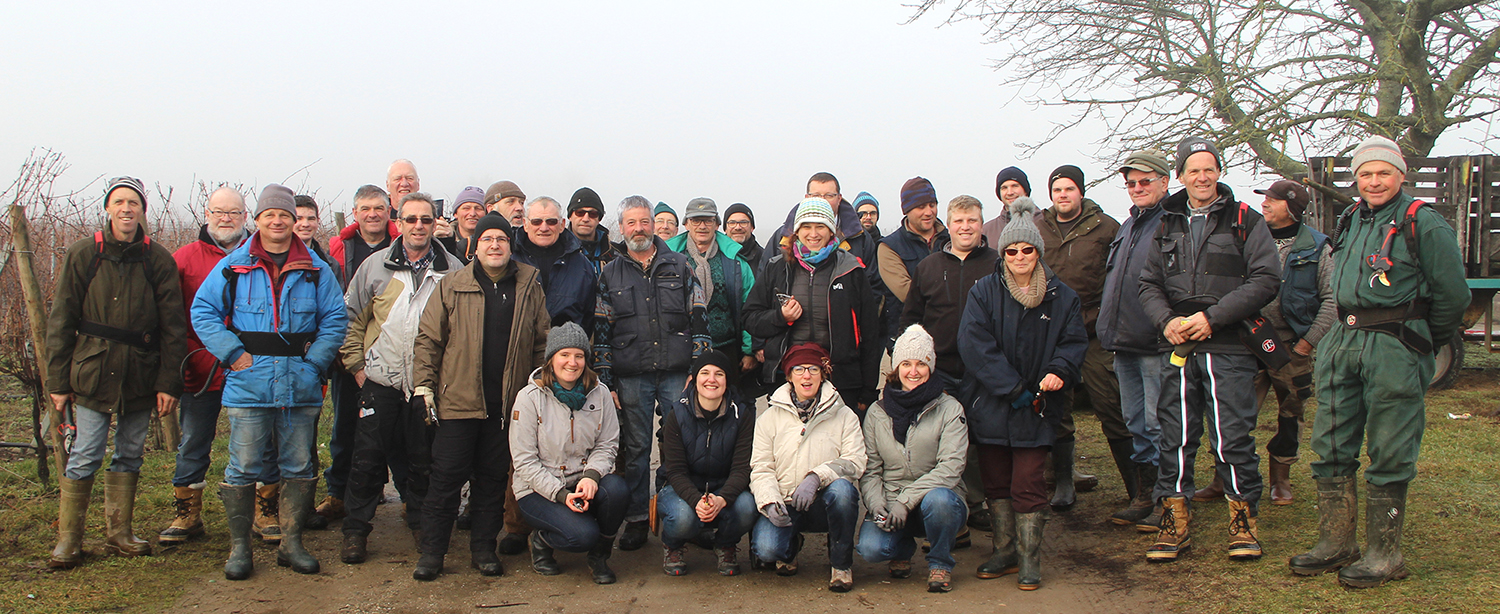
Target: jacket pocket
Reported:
point(1171, 255)
point(622, 301)
point(89, 356)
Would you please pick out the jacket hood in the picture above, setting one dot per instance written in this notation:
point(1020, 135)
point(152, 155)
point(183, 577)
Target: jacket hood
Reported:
point(727, 246)
point(1178, 201)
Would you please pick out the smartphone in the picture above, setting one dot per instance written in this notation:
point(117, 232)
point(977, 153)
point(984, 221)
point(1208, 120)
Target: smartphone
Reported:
point(437, 209)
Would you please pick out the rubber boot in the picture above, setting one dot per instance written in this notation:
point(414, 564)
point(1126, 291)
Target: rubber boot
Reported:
point(239, 514)
point(1003, 560)
point(296, 505)
point(188, 522)
point(512, 543)
point(1385, 512)
point(1063, 495)
point(1281, 483)
point(1029, 547)
point(598, 558)
point(267, 512)
point(1172, 539)
point(1244, 542)
point(542, 560)
point(119, 515)
point(1121, 450)
point(1337, 513)
point(429, 565)
point(1214, 492)
point(1140, 506)
point(72, 508)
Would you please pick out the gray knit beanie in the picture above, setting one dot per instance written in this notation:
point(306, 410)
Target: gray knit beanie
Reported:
point(1378, 148)
point(276, 197)
point(914, 344)
point(1022, 226)
point(569, 335)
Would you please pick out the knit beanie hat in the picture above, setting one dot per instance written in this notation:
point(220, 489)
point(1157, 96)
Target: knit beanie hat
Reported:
point(806, 354)
point(865, 197)
point(914, 344)
point(585, 198)
point(569, 335)
point(1378, 148)
point(1194, 144)
point(663, 208)
point(503, 189)
point(276, 197)
point(471, 194)
point(738, 208)
point(1011, 173)
point(711, 357)
point(1066, 171)
point(1021, 228)
point(917, 192)
point(492, 221)
point(815, 211)
point(128, 182)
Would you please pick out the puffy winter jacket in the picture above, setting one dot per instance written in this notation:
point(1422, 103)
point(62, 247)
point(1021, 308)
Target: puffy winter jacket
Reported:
point(201, 371)
point(937, 444)
point(303, 297)
point(573, 286)
point(830, 445)
point(340, 246)
point(384, 305)
point(1123, 325)
point(553, 447)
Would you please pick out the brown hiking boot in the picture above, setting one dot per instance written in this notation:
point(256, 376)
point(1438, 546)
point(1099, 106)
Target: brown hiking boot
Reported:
point(331, 508)
point(1281, 483)
point(188, 522)
point(1214, 492)
point(1243, 545)
point(1172, 539)
point(268, 512)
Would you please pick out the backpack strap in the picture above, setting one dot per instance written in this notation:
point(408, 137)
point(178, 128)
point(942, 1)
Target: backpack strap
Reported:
point(145, 261)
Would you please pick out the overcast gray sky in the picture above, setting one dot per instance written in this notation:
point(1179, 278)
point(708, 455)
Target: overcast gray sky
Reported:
point(738, 102)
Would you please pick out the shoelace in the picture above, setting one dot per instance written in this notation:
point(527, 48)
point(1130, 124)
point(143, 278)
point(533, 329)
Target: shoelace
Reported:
point(729, 554)
point(1169, 521)
point(1239, 524)
point(675, 555)
point(268, 506)
point(184, 507)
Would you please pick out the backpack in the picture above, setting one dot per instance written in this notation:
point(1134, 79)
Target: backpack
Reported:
point(99, 254)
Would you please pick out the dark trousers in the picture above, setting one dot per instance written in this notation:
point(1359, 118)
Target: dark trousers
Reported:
point(1103, 386)
point(387, 422)
point(476, 451)
point(344, 393)
point(1015, 474)
point(572, 531)
point(835, 510)
point(1213, 393)
point(1293, 386)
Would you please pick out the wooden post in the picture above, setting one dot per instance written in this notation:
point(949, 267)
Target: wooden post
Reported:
point(21, 239)
point(338, 221)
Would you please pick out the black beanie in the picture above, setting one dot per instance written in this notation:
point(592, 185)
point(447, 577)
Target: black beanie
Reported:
point(1066, 171)
point(1011, 173)
point(738, 208)
point(585, 197)
point(492, 221)
point(711, 357)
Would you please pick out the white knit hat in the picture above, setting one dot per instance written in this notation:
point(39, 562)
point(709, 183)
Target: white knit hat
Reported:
point(815, 210)
point(1378, 148)
point(914, 344)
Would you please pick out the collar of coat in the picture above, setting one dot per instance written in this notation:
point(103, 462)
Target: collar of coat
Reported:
point(1177, 203)
point(1086, 222)
point(466, 281)
point(727, 246)
point(208, 239)
point(297, 256)
point(828, 400)
point(593, 401)
point(352, 231)
point(396, 260)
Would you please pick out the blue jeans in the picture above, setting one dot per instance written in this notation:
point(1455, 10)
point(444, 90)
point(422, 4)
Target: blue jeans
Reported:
point(938, 517)
point(93, 437)
point(836, 511)
point(642, 398)
point(198, 417)
point(253, 429)
point(571, 531)
point(1140, 389)
point(679, 523)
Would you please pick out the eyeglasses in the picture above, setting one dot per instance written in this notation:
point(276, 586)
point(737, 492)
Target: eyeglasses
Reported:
point(412, 220)
point(703, 221)
point(215, 213)
point(807, 370)
point(737, 223)
point(1145, 183)
point(1028, 250)
point(870, 213)
point(588, 213)
point(551, 221)
point(488, 239)
point(828, 197)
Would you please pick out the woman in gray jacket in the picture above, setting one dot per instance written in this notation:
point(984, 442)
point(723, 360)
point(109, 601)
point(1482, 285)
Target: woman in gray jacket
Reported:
point(917, 439)
point(563, 438)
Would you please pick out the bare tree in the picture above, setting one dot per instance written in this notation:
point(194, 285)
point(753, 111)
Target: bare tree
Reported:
point(1286, 78)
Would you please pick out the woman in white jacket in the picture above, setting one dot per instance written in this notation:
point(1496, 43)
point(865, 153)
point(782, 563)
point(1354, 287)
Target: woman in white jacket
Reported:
point(563, 438)
point(809, 451)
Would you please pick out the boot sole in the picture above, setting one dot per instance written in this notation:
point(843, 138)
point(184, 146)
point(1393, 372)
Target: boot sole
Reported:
point(991, 576)
point(1147, 528)
point(1028, 587)
point(179, 539)
point(118, 551)
point(285, 563)
point(1245, 555)
point(60, 565)
point(1318, 570)
point(1398, 574)
point(1167, 556)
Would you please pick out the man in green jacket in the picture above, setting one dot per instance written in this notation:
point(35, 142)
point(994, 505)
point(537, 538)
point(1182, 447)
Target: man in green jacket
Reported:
point(115, 340)
point(1400, 294)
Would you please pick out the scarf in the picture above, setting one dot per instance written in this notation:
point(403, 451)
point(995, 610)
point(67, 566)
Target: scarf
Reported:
point(1032, 296)
point(903, 406)
point(701, 267)
point(809, 258)
point(804, 408)
point(572, 398)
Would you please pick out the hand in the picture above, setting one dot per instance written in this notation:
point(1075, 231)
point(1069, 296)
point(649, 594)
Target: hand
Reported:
point(577, 503)
point(359, 378)
point(243, 362)
point(165, 404)
point(429, 402)
point(1303, 348)
point(442, 228)
point(880, 511)
point(760, 356)
point(747, 363)
point(60, 401)
point(863, 407)
point(1051, 383)
point(616, 396)
point(1195, 327)
point(777, 514)
point(895, 518)
point(708, 507)
point(791, 310)
point(1173, 331)
point(806, 492)
point(587, 487)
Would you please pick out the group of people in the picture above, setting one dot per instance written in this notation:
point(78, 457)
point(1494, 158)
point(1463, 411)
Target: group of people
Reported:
point(505, 366)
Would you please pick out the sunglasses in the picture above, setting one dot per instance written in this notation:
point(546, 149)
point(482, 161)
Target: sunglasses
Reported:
point(412, 220)
point(1013, 251)
point(551, 221)
point(1145, 183)
point(588, 213)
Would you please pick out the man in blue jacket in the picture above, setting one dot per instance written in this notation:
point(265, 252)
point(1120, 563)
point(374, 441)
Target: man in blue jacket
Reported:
point(273, 313)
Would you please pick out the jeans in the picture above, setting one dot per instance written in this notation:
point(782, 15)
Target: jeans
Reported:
point(252, 431)
point(344, 394)
point(93, 436)
point(835, 510)
point(680, 524)
point(1140, 389)
point(939, 517)
point(571, 531)
point(642, 398)
point(198, 417)
point(388, 422)
point(477, 451)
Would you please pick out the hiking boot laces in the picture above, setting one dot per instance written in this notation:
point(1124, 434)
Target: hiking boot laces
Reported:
point(1239, 524)
point(184, 506)
point(1168, 520)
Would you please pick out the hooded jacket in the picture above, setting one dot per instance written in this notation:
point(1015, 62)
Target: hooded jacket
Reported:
point(449, 346)
point(341, 245)
point(573, 285)
point(739, 277)
point(1080, 258)
point(385, 304)
point(1123, 325)
point(301, 296)
point(553, 447)
point(201, 372)
point(105, 375)
point(830, 445)
point(937, 444)
point(938, 294)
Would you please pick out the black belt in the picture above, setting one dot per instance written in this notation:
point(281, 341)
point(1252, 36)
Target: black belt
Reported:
point(1391, 321)
point(276, 344)
point(146, 340)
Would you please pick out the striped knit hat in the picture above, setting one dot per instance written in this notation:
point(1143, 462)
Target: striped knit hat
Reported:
point(917, 192)
point(815, 210)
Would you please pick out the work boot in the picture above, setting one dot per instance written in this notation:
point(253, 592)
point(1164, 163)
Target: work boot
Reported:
point(541, 556)
point(239, 514)
point(331, 508)
point(1337, 513)
point(1214, 492)
point(979, 516)
point(841, 580)
point(1243, 542)
point(428, 567)
point(1063, 494)
point(188, 522)
point(268, 512)
point(939, 580)
point(1141, 506)
point(900, 570)
point(671, 561)
point(1029, 547)
point(356, 549)
point(1281, 483)
point(72, 509)
point(729, 559)
point(1172, 538)
point(1385, 511)
point(296, 504)
point(486, 562)
point(598, 559)
point(1003, 559)
point(1121, 450)
point(512, 543)
point(634, 536)
point(119, 515)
